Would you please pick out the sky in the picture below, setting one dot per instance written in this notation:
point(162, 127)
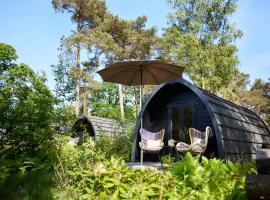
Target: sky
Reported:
point(34, 29)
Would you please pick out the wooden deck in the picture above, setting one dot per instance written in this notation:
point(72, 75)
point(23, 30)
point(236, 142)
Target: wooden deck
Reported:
point(151, 165)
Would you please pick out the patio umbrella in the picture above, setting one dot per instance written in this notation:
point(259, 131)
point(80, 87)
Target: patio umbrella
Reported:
point(147, 72)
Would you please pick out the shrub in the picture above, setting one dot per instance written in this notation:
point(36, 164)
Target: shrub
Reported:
point(119, 146)
point(25, 175)
point(88, 173)
point(212, 178)
point(26, 105)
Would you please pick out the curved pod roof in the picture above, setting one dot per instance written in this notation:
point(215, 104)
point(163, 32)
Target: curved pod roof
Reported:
point(239, 131)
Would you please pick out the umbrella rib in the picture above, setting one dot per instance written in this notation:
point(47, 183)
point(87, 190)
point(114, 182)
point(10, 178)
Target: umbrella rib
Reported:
point(132, 77)
point(166, 70)
point(152, 74)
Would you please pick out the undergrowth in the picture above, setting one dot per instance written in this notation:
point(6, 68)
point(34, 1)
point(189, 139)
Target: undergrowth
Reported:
point(86, 172)
point(97, 170)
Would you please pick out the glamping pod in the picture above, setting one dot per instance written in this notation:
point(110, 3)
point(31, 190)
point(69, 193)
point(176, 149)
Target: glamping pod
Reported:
point(95, 126)
point(84, 123)
point(179, 105)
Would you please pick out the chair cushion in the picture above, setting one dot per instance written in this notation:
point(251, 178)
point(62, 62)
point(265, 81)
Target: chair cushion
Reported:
point(151, 145)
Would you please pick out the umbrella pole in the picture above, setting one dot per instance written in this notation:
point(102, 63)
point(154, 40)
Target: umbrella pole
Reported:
point(141, 114)
point(141, 90)
point(141, 95)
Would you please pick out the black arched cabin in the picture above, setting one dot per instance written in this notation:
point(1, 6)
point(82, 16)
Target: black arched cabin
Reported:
point(179, 105)
point(95, 126)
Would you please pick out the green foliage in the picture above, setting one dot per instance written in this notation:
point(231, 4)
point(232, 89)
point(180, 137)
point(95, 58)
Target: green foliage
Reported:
point(90, 174)
point(26, 175)
point(119, 146)
point(64, 87)
point(87, 14)
point(106, 103)
point(201, 39)
point(63, 115)
point(112, 111)
point(212, 178)
point(167, 160)
point(7, 56)
point(257, 99)
point(26, 106)
point(106, 38)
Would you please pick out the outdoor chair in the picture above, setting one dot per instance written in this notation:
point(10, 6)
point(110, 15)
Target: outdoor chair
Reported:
point(73, 141)
point(198, 139)
point(151, 142)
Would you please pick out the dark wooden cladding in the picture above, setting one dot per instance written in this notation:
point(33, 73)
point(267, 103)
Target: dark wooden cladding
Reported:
point(245, 141)
point(234, 134)
point(224, 102)
point(236, 116)
point(240, 127)
point(242, 130)
point(230, 107)
point(100, 125)
point(240, 147)
point(238, 132)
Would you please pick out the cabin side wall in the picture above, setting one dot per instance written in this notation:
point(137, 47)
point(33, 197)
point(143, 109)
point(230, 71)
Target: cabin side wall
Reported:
point(242, 131)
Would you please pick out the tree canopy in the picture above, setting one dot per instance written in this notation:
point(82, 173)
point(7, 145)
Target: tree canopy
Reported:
point(200, 37)
point(26, 104)
point(105, 38)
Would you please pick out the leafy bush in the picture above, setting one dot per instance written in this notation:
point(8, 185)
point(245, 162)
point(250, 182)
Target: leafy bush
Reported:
point(212, 178)
point(118, 146)
point(87, 172)
point(26, 105)
point(26, 176)
point(63, 116)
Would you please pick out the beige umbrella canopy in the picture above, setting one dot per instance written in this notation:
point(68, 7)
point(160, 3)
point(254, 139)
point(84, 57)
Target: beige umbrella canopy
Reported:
point(147, 72)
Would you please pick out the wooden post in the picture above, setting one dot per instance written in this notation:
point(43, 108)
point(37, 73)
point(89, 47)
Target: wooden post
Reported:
point(258, 186)
point(263, 161)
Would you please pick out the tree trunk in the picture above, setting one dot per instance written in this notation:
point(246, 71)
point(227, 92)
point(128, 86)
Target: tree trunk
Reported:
point(121, 101)
point(257, 186)
point(137, 101)
point(78, 75)
point(85, 102)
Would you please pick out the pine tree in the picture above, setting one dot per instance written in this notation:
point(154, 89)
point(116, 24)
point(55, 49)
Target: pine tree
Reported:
point(85, 14)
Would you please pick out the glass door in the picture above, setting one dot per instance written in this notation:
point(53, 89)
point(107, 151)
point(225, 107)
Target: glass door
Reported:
point(181, 118)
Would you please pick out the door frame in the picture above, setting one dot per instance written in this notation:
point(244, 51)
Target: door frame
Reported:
point(181, 105)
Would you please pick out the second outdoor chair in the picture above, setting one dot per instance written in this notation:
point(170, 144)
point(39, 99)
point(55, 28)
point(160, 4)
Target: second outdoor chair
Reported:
point(151, 142)
point(198, 139)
